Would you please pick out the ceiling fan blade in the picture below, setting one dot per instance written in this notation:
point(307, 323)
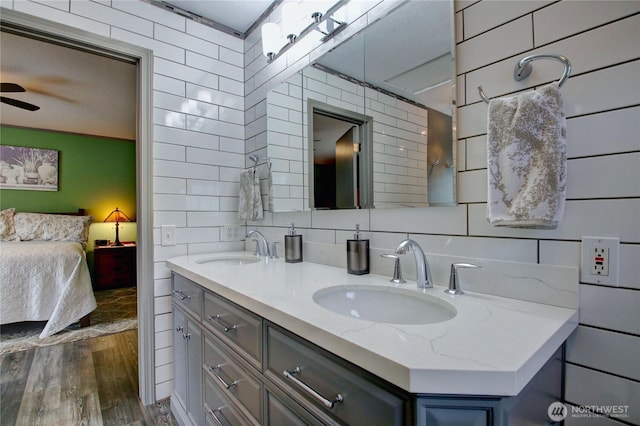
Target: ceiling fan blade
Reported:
point(19, 104)
point(11, 87)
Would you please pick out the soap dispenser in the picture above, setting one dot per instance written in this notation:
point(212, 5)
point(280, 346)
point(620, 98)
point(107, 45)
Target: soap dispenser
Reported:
point(292, 246)
point(357, 254)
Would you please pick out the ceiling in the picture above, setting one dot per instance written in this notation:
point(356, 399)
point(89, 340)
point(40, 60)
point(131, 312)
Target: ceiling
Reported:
point(238, 16)
point(77, 91)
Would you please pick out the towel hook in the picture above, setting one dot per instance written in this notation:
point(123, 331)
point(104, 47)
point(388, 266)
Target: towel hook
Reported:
point(256, 159)
point(523, 69)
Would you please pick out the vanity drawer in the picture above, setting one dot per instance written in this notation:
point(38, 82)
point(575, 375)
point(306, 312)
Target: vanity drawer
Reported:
point(232, 378)
point(281, 410)
point(320, 380)
point(236, 326)
point(187, 295)
point(218, 409)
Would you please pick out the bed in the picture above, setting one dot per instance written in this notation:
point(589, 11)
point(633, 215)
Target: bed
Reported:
point(43, 269)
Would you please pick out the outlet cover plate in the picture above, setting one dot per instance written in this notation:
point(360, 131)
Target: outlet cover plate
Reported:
point(600, 260)
point(168, 235)
point(231, 232)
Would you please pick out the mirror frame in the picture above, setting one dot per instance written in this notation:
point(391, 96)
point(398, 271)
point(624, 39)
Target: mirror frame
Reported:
point(358, 25)
point(366, 152)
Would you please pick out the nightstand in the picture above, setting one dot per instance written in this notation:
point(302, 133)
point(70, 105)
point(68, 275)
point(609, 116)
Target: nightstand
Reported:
point(114, 266)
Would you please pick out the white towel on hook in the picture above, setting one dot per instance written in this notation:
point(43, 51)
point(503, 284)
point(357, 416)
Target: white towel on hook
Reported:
point(526, 159)
point(250, 201)
point(269, 189)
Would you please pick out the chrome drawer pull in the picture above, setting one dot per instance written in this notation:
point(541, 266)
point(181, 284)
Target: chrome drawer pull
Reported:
point(290, 374)
point(179, 329)
point(217, 319)
point(219, 422)
point(181, 295)
point(218, 368)
point(186, 336)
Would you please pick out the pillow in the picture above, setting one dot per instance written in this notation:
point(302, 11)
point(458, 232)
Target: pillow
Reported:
point(52, 227)
point(7, 225)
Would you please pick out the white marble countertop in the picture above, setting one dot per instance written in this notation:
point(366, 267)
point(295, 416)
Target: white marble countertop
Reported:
point(493, 346)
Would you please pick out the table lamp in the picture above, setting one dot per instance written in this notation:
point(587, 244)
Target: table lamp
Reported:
point(117, 216)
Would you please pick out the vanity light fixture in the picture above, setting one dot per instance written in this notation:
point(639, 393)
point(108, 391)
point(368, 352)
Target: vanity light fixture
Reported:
point(270, 40)
point(330, 26)
point(274, 44)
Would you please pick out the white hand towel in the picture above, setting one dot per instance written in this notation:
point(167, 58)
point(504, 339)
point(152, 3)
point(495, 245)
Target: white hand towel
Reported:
point(526, 159)
point(250, 201)
point(270, 190)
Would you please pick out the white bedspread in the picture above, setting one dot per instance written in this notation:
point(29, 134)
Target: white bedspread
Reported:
point(44, 280)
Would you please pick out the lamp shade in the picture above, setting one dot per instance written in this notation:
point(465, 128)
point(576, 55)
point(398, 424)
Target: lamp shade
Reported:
point(117, 216)
point(271, 42)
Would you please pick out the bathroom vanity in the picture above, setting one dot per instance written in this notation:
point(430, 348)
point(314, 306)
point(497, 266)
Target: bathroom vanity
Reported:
point(252, 345)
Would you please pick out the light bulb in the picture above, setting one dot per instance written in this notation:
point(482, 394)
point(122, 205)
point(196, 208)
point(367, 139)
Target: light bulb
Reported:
point(270, 39)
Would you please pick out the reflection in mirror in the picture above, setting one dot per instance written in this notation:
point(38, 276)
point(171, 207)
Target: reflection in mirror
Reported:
point(404, 82)
point(285, 146)
point(341, 161)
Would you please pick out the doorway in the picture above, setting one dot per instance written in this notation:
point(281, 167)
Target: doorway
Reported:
point(340, 155)
point(60, 34)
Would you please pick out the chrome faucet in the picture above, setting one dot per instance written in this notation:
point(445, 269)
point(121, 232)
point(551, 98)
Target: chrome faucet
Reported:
point(262, 240)
point(422, 266)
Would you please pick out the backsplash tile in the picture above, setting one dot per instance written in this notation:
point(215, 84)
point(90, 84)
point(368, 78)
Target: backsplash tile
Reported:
point(507, 40)
point(567, 18)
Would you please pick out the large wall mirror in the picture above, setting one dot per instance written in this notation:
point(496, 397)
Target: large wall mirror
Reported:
point(371, 123)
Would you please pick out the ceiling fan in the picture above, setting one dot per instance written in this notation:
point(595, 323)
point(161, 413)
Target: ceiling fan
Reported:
point(15, 88)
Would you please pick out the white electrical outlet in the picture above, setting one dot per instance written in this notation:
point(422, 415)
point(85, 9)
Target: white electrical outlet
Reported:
point(600, 260)
point(168, 235)
point(231, 233)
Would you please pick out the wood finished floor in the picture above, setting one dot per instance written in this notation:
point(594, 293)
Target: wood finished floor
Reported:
point(88, 382)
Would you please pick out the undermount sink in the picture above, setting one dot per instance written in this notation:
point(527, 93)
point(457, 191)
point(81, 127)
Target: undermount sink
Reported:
point(384, 304)
point(229, 259)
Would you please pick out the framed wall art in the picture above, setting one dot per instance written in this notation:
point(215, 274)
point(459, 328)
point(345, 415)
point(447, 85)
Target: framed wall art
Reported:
point(25, 168)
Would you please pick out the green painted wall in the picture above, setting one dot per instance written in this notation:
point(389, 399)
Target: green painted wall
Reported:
point(95, 173)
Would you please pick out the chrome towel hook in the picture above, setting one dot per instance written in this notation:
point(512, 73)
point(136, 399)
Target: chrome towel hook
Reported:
point(256, 161)
point(523, 69)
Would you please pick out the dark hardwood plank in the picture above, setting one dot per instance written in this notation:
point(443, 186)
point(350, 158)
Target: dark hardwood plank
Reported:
point(88, 382)
point(14, 369)
point(79, 403)
point(118, 399)
point(42, 391)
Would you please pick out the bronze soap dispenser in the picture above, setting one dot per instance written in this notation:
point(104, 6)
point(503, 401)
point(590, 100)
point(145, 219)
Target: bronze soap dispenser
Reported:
point(357, 254)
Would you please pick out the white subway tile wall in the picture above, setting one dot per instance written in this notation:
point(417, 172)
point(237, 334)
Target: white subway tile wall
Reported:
point(602, 101)
point(209, 91)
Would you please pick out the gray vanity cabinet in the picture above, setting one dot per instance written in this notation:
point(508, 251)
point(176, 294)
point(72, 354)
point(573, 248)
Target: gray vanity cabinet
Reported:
point(187, 359)
point(233, 367)
point(455, 412)
point(281, 410)
point(219, 410)
point(234, 378)
point(188, 296)
point(328, 386)
point(239, 328)
point(529, 407)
